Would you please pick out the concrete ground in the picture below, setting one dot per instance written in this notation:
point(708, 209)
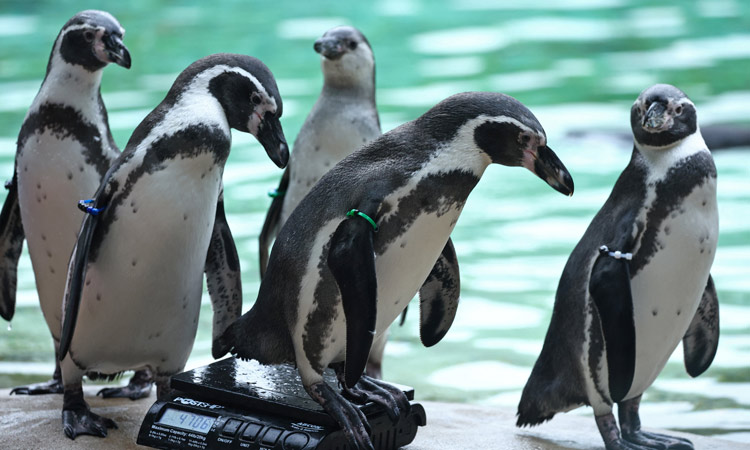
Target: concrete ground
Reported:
point(34, 423)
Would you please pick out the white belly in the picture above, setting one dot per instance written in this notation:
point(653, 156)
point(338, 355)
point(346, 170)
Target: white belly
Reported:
point(401, 271)
point(141, 299)
point(667, 292)
point(52, 177)
point(320, 146)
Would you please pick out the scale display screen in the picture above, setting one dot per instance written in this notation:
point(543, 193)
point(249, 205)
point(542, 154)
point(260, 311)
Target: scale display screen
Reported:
point(187, 420)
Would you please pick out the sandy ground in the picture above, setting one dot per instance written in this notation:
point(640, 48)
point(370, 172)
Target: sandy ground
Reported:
point(34, 423)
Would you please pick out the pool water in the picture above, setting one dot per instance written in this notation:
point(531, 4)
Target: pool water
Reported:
point(578, 65)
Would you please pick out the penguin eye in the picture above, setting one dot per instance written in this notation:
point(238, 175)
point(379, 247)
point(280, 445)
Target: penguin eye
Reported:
point(525, 138)
point(255, 98)
point(88, 35)
point(352, 45)
point(678, 110)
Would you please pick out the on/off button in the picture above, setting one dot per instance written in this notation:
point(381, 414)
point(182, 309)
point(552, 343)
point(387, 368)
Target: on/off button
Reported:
point(231, 427)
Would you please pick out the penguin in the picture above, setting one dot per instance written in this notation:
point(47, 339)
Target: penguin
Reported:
point(370, 235)
point(134, 284)
point(343, 119)
point(637, 282)
point(64, 149)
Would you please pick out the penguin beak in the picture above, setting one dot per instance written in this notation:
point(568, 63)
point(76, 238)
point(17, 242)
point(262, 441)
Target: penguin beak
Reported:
point(329, 48)
point(116, 51)
point(547, 166)
point(271, 137)
point(655, 118)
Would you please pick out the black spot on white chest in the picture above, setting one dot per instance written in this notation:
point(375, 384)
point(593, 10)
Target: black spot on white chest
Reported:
point(679, 208)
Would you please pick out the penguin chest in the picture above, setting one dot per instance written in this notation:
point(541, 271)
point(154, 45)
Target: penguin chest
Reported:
point(324, 140)
point(668, 288)
point(407, 260)
point(401, 269)
point(52, 177)
point(143, 292)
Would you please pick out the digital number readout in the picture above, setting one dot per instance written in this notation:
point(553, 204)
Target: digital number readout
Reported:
point(187, 420)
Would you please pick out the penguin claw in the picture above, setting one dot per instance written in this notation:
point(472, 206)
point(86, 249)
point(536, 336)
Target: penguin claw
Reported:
point(79, 422)
point(53, 386)
point(392, 399)
point(646, 440)
point(352, 420)
point(138, 387)
point(131, 391)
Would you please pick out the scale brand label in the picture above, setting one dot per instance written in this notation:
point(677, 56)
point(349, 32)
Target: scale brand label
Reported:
point(191, 402)
point(301, 426)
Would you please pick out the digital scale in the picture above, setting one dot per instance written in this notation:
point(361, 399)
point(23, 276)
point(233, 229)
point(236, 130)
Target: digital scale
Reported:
point(234, 404)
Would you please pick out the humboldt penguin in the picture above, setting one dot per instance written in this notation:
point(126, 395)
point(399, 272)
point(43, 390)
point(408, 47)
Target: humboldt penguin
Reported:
point(134, 284)
point(343, 119)
point(637, 283)
point(64, 149)
point(370, 235)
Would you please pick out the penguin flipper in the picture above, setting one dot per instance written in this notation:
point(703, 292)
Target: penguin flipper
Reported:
point(223, 278)
point(702, 337)
point(351, 259)
point(11, 244)
point(438, 297)
point(271, 225)
point(609, 286)
point(74, 283)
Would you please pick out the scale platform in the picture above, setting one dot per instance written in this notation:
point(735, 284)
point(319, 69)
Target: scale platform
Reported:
point(235, 404)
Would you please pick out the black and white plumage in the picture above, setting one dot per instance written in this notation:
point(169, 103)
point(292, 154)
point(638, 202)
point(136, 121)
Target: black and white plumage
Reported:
point(617, 321)
point(135, 278)
point(333, 284)
point(343, 119)
point(64, 149)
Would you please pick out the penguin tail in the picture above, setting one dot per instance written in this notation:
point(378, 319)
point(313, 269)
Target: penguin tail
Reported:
point(231, 341)
point(545, 396)
point(223, 344)
point(251, 337)
point(530, 413)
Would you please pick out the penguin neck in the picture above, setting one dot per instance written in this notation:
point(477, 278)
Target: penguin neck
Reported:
point(335, 84)
point(661, 159)
point(70, 84)
point(348, 90)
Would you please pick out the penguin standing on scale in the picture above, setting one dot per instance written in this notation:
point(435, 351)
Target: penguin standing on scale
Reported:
point(343, 119)
point(64, 149)
point(135, 278)
point(370, 235)
point(637, 283)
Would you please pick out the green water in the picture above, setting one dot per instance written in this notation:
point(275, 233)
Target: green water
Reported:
point(577, 64)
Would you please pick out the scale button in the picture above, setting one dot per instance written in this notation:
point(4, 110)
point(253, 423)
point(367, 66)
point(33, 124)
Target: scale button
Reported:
point(271, 436)
point(231, 427)
point(251, 431)
point(296, 441)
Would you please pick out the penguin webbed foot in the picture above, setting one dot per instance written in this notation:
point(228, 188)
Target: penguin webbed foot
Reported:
point(138, 387)
point(369, 389)
point(633, 438)
point(646, 440)
point(351, 419)
point(83, 421)
point(53, 386)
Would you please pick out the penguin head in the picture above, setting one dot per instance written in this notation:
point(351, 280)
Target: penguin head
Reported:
point(92, 39)
point(346, 57)
point(247, 92)
point(662, 116)
point(503, 129)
